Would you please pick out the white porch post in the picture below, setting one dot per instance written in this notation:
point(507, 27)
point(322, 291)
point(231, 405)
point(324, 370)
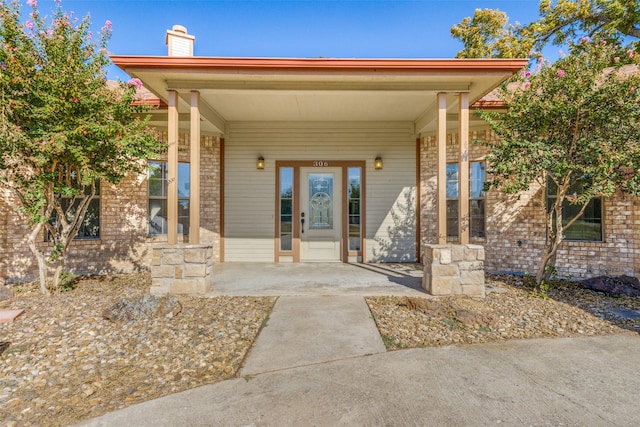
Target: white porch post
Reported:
point(464, 220)
point(441, 199)
point(172, 172)
point(194, 191)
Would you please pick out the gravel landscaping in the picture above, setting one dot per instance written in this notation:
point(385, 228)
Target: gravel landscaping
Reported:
point(510, 310)
point(62, 362)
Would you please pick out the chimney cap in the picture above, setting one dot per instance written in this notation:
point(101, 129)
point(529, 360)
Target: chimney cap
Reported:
point(179, 29)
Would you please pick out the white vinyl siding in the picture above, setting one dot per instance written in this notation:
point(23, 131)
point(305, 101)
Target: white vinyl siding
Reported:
point(250, 194)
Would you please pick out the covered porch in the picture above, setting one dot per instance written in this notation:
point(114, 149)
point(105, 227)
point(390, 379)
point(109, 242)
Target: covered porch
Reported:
point(295, 98)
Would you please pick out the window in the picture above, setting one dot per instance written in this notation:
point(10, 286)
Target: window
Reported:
point(476, 199)
point(286, 209)
point(452, 200)
point(589, 226)
point(354, 202)
point(158, 180)
point(90, 227)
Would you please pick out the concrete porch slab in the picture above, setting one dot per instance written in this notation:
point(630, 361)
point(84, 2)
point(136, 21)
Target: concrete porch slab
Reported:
point(260, 279)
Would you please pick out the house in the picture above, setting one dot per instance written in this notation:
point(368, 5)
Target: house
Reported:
point(323, 160)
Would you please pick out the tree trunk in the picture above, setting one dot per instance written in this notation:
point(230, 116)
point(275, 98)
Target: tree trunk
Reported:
point(56, 276)
point(42, 264)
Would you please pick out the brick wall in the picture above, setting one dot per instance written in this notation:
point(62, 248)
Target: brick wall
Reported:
point(515, 225)
point(122, 246)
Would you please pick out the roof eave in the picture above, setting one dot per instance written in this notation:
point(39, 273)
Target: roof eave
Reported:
point(319, 64)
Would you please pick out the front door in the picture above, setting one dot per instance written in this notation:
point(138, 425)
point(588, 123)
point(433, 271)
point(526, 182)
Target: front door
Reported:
point(320, 214)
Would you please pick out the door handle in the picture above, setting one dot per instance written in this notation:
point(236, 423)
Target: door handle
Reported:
point(302, 221)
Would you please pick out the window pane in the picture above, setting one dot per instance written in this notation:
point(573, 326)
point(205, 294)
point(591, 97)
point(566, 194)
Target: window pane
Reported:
point(452, 181)
point(157, 179)
point(320, 201)
point(183, 217)
point(286, 242)
point(354, 203)
point(286, 209)
point(286, 183)
point(158, 216)
point(589, 226)
point(184, 179)
point(452, 218)
point(90, 227)
point(476, 211)
point(286, 206)
point(477, 179)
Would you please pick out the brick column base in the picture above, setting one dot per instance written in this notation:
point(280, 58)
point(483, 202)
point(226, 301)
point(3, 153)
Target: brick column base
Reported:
point(454, 270)
point(181, 269)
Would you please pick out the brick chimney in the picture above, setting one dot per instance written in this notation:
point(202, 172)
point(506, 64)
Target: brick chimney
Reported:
point(179, 43)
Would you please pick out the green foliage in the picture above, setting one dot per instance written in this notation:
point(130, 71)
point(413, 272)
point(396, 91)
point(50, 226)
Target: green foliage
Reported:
point(488, 33)
point(62, 125)
point(576, 123)
point(67, 281)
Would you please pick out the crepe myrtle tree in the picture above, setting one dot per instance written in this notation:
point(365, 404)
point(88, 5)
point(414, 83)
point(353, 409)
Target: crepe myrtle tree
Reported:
point(573, 125)
point(63, 128)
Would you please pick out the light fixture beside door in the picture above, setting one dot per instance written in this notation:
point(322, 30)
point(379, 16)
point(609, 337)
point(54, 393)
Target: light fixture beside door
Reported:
point(260, 163)
point(377, 164)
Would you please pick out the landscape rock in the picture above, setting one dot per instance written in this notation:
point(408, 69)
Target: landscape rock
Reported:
point(144, 307)
point(475, 319)
point(423, 305)
point(5, 293)
point(620, 285)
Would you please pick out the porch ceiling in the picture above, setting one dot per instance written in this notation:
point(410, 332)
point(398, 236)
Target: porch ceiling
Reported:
point(246, 89)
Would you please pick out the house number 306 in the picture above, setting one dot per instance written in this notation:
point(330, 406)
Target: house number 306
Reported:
point(320, 163)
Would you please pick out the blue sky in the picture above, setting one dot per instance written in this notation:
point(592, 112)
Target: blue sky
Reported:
point(345, 29)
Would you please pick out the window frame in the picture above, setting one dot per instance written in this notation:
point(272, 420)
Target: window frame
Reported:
point(183, 220)
point(451, 220)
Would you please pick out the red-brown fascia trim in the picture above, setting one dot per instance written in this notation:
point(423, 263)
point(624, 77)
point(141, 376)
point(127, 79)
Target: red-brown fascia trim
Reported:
point(151, 102)
point(317, 64)
point(488, 105)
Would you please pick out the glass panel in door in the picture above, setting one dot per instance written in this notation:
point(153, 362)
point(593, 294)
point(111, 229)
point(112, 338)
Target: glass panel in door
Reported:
point(320, 214)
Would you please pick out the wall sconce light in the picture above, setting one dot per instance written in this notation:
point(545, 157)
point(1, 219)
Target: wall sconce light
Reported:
point(378, 163)
point(260, 163)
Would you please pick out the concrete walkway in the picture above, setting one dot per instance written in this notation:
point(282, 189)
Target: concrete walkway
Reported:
point(320, 361)
point(305, 330)
point(551, 382)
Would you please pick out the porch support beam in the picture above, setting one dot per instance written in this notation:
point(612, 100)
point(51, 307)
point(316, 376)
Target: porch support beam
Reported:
point(441, 198)
point(464, 220)
point(172, 166)
point(194, 188)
